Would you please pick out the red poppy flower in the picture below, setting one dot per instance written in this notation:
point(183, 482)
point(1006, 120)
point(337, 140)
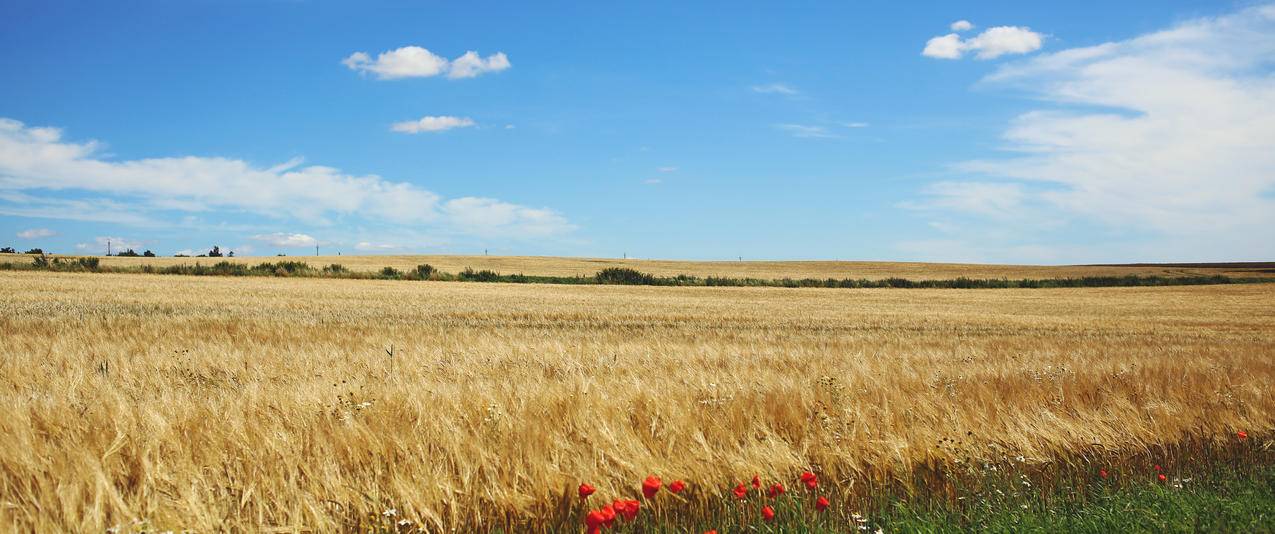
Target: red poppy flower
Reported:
point(628, 509)
point(608, 515)
point(710, 532)
point(677, 486)
point(1242, 434)
point(594, 520)
point(776, 490)
point(741, 491)
point(767, 513)
point(594, 530)
point(821, 504)
point(1161, 477)
point(756, 482)
point(651, 486)
point(586, 490)
point(810, 480)
point(1157, 468)
point(1102, 473)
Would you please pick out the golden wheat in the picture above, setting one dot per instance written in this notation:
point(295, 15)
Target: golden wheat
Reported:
point(768, 270)
point(216, 404)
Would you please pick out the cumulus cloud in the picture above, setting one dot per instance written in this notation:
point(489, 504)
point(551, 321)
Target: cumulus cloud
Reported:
point(417, 62)
point(962, 26)
point(38, 168)
point(470, 65)
point(36, 233)
point(432, 124)
point(992, 43)
point(1165, 137)
point(279, 239)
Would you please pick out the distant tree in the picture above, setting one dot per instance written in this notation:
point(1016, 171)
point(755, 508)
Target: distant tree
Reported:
point(35, 251)
point(130, 253)
point(215, 252)
point(181, 255)
point(8, 250)
point(149, 254)
point(231, 254)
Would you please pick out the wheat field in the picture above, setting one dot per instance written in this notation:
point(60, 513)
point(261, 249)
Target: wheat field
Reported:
point(769, 270)
point(215, 404)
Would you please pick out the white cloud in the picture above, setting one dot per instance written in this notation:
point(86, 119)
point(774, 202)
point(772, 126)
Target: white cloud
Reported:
point(947, 46)
point(417, 62)
point(1165, 137)
point(279, 239)
point(652, 181)
point(989, 199)
point(855, 124)
point(488, 216)
point(991, 44)
point(776, 88)
point(432, 124)
point(666, 169)
point(470, 65)
point(962, 26)
point(375, 247)
point(805, 131)
point(36, 233)
point(37, 165)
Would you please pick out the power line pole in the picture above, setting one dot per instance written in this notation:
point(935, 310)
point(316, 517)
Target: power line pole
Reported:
point(108, 247)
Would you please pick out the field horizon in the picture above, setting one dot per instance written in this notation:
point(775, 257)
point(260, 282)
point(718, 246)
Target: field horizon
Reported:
point(762, 269)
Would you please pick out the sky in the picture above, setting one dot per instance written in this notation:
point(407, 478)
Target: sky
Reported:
point(1002, 132)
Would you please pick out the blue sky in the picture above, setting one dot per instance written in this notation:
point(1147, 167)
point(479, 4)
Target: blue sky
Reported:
point(1064, 133)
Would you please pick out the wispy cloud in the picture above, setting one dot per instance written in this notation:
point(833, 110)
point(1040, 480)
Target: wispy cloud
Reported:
point(432, 124)
point(1165, 138)
point(666, 169)
point(806, 131)
point(418, 62)
point(284, 240)
point(776, 89)
point(37, 166)
point(36, 233)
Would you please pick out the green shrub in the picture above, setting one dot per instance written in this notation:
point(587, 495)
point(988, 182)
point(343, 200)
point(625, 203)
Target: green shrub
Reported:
point(391, 273)
point(624, 276)
point(425, 271)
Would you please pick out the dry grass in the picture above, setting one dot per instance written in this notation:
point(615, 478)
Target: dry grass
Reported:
point(239, 403)
point(554, 266)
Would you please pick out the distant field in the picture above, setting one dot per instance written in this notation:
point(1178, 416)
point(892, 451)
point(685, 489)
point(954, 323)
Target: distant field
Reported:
point(554, 266)
point(220, 403)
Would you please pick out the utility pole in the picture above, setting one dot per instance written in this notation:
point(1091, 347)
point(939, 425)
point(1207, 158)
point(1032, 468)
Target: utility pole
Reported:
point(108, 247)
point(316, 250)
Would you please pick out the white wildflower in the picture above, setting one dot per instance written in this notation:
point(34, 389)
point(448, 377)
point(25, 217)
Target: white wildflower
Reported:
point(390, 513)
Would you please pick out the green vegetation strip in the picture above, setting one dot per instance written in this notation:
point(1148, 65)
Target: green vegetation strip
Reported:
point(609, 276)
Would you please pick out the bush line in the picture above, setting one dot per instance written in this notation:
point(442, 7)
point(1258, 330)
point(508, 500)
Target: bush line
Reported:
point(608, 276)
